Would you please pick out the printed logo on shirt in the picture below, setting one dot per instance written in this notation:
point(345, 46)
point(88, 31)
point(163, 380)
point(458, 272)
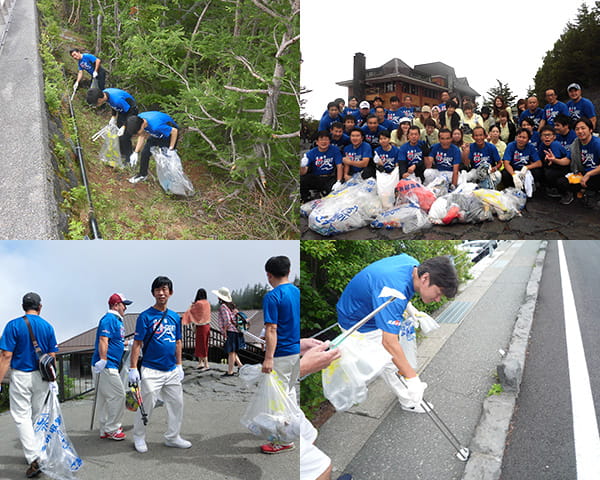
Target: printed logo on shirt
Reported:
point(396, 323)
point(324, 162)
point(165, 332)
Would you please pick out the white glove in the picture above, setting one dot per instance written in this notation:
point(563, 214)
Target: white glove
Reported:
point(75, 86)
point(53, 387)
point(517, 181)
point(523, 170)
point(133, 159)
point(415, 389)
point(134, 376)
point(304, 161)
point(337, 186)
point(377, 159)
point(170, 152)
point(95, 74)
point(112, 121)
point(121, 131)
point(179, 369)
point(99, 366)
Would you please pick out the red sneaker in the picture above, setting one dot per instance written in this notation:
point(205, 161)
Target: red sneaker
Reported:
point(276, 447)
point(118, 435)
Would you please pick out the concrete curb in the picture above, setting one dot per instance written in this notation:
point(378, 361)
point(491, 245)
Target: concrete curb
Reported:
point(488, 443)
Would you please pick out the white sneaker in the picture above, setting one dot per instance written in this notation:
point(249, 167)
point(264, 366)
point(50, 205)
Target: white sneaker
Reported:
point(415, 409)
point(137, 178)
point(140, 445)
point(178, 443)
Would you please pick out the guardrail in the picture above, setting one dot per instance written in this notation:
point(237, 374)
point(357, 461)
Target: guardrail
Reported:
point(6, 9)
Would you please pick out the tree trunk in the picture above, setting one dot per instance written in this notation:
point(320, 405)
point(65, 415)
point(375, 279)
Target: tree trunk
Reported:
point(99, 34)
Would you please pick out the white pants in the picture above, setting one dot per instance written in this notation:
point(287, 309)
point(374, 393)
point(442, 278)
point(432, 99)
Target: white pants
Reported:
point(389, 371)
point(168, 386)
point(288, 370)
point(27, 394)
point(313, 462)
point(110, 404)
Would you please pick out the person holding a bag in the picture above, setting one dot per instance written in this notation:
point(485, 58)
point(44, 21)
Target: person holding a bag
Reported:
point(199, 315)
point(228, 324)
point(89, 63)
point(27, 387)
point(158, 336)
point(108, 352)
point(431, 279)
point(281, 310)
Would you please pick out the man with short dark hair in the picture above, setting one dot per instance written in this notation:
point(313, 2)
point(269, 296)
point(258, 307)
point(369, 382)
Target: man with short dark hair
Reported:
point(408, 110)
point(338, 137)
point(555, 160)
point(27, 389)
point(158, 337)
point(332, 115)
point(349, 124)
point(579, 106)
point(372, 130)
point(89, 63)
point(431, 279)
point(445, 157)
point(383, 122)
point(553, 108)
point(281, 308)
point(411, 155)
point(394, 113)
point(564, 134)
point(122, 106)
point(321, 168)
point(533, 111)
point(154, 129)
point(106, 361)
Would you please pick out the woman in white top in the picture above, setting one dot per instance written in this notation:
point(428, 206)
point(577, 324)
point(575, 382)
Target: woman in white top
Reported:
point(494, 139)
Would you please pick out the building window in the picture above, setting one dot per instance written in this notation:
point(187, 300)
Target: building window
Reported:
point(430, 93)
point(389, 87)
point(410, 89)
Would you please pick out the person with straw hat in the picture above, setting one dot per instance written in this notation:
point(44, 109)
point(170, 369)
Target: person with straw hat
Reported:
point(228, 325)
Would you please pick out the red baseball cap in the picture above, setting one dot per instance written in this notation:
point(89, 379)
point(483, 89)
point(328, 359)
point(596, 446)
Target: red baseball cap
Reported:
point(118, 298)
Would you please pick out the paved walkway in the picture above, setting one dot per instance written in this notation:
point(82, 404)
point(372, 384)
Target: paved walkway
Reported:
point(28, 209)
point(221, 448)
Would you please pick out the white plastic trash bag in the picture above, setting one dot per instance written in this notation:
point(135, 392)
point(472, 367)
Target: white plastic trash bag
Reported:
point(408, 341)
point(170, 172)
point(421, 319)
point(110, 151)
point(409, 217)
point(58, 458)
point(250, 374)
point(386, 183)
point(345, 380)
point(272, 415)
point(308, 207)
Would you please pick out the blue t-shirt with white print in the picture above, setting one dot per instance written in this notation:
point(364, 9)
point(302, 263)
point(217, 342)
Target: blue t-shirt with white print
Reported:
point(111, 327)
point(160, 352)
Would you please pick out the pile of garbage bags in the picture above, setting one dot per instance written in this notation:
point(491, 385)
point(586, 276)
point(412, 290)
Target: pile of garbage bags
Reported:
point(409, 205)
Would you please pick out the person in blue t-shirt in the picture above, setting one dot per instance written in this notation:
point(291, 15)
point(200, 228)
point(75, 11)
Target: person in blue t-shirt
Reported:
point(553, 108)
point(349, 124)
point(411, 155)
point(27, 389)
point(321, 168)
point(352, 108)
point(482, 153)
point(106, 362)
point(564, 134)
point(358, 156)
point(555, 160)
point(89, 63)
point(386, 155)
point(394, 114)
point(332, 115)
point(431, 279)
point(585, 159)
point(158, 337)
point(122, 106)
point(578, 106)
point(521, 154)
point(533, 112)
point(338, 137)
point(372, 130)
point(380, 113)
point(281, 309)
point(408, 110)
point(363, 113)
point(445, 156)
point(154, 129)
point(528, 124)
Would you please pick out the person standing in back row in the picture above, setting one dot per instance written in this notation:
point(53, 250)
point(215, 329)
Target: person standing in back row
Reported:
point(281, 309)
point(27, 389)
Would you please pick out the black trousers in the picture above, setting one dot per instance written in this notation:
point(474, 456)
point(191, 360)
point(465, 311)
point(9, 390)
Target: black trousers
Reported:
point(125, 139)
point(553, 173)
point(152, 142)
point(507, 179)
point(564, 185)
point(322, 183)
point(101, 78)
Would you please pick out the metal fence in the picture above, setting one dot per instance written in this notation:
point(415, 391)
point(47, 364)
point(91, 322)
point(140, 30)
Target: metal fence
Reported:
point(6, 8)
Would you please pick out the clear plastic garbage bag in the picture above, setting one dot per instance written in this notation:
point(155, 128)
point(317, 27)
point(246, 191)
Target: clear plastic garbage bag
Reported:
point(439, 186)
point(408, 341)
point(58, 458)
point(170, 172)
point(110, 152)
point(308, 207)
point(345, 380)
point(350, 208)
point(272, 415)
point(250, 374)
point(408, 217)
point(421, 319)
point(472, 210)
point(504, 205)
point(386, 182)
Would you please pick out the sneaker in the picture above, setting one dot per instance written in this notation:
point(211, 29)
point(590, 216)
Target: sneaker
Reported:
point(116, 435)
point(552, 192)
point(276, 447)
point(178, 443)
point(140, 445)
point(34, 469)
point(589, 198)
point(138, 178)
point(415, 409)
point(566, 198)
point(345, 476)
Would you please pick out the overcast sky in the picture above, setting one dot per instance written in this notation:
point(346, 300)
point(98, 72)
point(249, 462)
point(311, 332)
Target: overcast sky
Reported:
point(75, 278)
point(483, 40)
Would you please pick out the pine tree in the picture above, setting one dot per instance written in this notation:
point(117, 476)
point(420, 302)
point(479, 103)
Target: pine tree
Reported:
point(501, 89)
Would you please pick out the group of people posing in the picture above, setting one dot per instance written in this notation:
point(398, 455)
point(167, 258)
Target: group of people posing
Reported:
point(555, 144)
point(158, 342)
point(154, 129)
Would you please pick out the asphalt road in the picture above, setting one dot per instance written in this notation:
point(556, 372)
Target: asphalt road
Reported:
point(541, 444)
point(408, 446)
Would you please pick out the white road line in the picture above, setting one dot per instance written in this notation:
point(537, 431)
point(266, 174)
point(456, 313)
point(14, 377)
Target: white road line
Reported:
point(585, 423)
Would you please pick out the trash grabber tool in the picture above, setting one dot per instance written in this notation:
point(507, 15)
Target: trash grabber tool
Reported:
point(95, 399)
point(462, 453)
point(251, 336)
point(138, 396)
point(318, 334)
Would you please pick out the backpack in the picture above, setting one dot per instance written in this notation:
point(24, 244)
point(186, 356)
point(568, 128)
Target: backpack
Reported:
point(241, 320)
